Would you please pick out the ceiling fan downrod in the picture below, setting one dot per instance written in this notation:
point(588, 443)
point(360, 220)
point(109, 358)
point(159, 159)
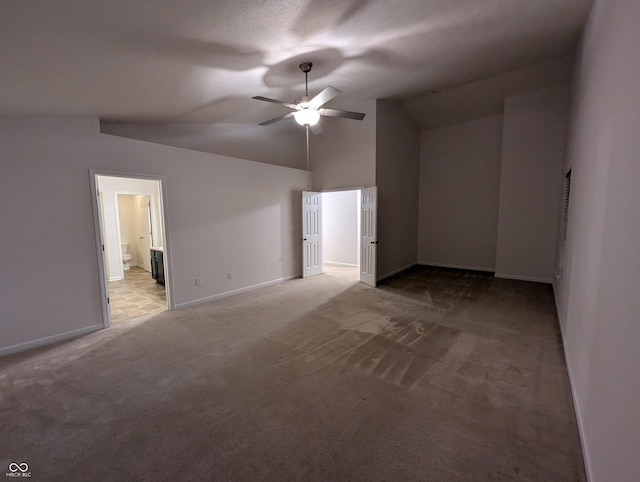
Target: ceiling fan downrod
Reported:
point(306, 68)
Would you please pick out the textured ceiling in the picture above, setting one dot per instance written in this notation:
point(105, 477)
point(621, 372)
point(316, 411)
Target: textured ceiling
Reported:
point(177, 61)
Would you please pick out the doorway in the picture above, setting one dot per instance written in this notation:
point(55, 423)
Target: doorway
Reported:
point(131, 237)
point(341, 228)
point(339, 231)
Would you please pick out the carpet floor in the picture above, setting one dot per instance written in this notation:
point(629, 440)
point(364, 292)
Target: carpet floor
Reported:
point(435, 375)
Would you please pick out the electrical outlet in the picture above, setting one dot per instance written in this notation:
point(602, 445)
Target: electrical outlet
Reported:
point(228, 275)
point(198, 281)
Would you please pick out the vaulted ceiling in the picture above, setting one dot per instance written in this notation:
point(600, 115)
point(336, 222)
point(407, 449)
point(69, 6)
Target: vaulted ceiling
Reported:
point(177, 62)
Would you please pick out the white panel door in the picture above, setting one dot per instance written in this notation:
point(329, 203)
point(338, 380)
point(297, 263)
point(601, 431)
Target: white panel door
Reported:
point(144, 239)
point(368, 235)
point(311, 233)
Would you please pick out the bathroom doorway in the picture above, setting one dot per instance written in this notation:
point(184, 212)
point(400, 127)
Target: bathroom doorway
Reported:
point(132, 240)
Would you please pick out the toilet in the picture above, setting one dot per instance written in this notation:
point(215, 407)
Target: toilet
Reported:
point(126, 257)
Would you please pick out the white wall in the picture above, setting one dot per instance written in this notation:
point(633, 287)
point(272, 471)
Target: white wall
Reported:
point(340, 221)
point(459, 186)
point(344, 155)
point(531, 183)
point(397, 172)
point(216, 205)
point(598, 295)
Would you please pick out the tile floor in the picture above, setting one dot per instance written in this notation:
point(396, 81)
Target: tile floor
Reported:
point(136, 295)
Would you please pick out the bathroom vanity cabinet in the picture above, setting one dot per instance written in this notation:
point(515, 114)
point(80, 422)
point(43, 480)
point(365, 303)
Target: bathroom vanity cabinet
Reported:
point(157, 265)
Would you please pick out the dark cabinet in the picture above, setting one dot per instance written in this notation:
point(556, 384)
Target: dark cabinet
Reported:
point(157, 266)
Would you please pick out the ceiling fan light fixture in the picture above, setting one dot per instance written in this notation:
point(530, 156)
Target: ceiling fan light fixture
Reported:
point(307, 117)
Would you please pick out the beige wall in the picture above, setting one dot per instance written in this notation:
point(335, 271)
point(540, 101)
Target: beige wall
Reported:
point(459, 185)
point(598, 294)
point(397, 168)
point(531, 183)
point(129, 215)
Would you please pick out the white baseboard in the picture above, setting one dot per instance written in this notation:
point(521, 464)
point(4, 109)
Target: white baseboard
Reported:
point(115, 278)
point(337, 263)
point(395, 271)
point(47, 340)
point(457, 266)
point(236, 292)
point(576, 406)
point(523, 278)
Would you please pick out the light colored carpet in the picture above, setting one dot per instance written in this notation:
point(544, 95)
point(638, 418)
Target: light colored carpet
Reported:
point(436, 375)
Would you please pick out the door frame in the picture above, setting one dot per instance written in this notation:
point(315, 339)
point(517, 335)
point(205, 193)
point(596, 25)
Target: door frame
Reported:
point(360, 190)
point(99, 235)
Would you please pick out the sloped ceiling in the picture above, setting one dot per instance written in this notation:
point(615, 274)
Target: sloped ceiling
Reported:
point(485, 97)
point(175, 62)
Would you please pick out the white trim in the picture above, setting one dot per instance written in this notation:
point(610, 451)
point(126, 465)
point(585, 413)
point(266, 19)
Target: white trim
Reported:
point(47, 340)
point(102, 262)
point(164, 209)
point(395, 271)
point(116, 204)
point(583, 440)
point(576, 407)
point(236, 292)
point(523, 278)
point(115, 278)
point(342, 189)
point(337, 263)
point(456, 266)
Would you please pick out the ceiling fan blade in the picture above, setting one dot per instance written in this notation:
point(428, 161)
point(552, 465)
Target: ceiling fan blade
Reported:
point(342, 113)
point(316, 129)
point(274, 101)
point(276, 119)
point(323, 97)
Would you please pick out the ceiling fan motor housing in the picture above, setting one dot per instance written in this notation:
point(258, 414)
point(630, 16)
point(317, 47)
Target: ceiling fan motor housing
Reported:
point(306, 67)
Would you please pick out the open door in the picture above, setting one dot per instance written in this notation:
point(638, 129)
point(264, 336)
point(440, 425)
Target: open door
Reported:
point(146, 232)
point(311, 233)
point(368, 235)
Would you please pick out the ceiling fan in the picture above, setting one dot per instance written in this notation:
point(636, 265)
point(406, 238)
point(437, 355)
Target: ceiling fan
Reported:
point(307, 111)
